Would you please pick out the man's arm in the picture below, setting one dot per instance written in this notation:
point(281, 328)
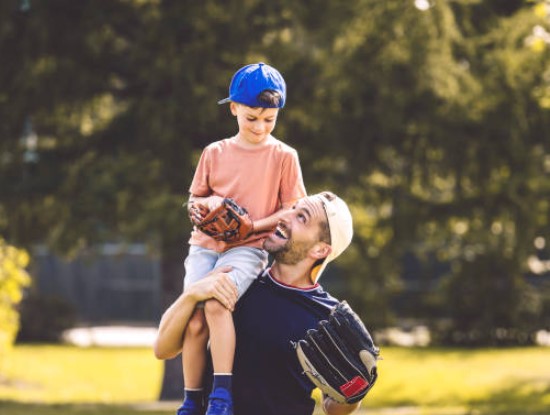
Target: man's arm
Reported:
point(217, 284)
point(331, 407)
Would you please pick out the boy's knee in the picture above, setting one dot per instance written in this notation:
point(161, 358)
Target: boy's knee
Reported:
point(196, 325)
point(214, 308)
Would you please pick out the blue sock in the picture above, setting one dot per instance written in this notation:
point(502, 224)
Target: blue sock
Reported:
point(222, 381)
point(195, 395)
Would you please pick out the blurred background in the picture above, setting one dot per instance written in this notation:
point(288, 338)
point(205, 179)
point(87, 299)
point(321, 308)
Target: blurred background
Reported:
point(430, 117)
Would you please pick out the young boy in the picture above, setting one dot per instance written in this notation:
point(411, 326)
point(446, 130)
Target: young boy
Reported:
point(263, 175)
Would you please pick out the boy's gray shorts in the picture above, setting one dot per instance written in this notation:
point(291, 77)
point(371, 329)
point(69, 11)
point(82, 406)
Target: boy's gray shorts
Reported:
point(247, 263)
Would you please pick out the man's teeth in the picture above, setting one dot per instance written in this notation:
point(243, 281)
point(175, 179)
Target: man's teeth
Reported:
point(282, 233)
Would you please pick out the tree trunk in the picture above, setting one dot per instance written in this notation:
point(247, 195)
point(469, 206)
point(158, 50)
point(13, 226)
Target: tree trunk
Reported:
point(172, 381)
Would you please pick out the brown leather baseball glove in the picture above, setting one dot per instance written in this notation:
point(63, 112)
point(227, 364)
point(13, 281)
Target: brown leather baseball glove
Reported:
point(229, 222)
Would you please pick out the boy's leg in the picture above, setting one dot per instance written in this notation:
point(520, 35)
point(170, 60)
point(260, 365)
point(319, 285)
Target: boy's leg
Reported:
point(247, 263)
point(222, 348)
point(193, 364)
point(197, 264)
point(222, 336)
point(193, 359)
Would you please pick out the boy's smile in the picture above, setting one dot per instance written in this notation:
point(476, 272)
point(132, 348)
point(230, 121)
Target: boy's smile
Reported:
point(255, 124)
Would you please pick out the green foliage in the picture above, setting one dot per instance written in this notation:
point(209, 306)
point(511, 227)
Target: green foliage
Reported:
point(433, 123)
point(480, 296)
point(13, 278)
point(444, 146)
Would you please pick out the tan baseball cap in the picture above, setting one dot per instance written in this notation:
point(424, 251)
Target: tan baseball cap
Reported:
point(341, 230)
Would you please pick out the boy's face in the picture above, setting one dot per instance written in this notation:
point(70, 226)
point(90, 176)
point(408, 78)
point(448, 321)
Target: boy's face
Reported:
point(255, 124)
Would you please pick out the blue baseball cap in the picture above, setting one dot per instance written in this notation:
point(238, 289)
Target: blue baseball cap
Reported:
point(251, 80)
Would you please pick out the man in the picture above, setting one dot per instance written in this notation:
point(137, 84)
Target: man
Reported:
point(277, 310)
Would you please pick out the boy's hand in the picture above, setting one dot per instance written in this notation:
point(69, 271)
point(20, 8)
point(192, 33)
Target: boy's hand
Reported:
point(198, 208)
point(197, 212)
point(213, 202)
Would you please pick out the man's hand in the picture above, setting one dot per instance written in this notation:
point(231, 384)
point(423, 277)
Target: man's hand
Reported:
point(331, 407)
point(216, 284)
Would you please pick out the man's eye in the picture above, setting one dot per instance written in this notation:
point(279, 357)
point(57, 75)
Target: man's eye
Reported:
point(251, 119)
point(301, 217)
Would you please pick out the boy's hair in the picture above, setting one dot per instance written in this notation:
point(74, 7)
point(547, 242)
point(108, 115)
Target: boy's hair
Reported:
point(270, 98)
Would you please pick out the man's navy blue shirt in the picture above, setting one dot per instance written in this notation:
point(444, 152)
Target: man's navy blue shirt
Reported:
point(267, 377)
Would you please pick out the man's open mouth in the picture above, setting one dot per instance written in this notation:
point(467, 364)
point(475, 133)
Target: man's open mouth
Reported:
point(282, 232)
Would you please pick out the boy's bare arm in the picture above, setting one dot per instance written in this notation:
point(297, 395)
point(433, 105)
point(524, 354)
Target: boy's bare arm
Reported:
point(269, 223)
point(260, 225)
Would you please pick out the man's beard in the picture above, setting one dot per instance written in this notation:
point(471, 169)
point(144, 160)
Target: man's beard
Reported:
point(290, 253)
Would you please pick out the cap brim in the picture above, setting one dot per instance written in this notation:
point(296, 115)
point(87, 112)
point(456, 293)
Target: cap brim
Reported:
point(224, 101)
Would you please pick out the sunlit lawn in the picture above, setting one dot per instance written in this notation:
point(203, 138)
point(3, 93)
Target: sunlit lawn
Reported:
point(64, 380)
point(489, 381)
point(70, 374)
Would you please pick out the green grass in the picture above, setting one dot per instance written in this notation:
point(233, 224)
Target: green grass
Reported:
point(65, 380)
point(514, 381)
point(16, 408)
point(66, 374)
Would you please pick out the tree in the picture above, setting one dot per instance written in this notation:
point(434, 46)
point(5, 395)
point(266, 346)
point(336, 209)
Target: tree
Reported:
point(433, 123)
point(442, 142)
point(122, 96)
point(13, 279)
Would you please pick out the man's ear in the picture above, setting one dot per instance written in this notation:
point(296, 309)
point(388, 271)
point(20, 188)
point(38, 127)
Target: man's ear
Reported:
point(321, 250)
point(233, 108)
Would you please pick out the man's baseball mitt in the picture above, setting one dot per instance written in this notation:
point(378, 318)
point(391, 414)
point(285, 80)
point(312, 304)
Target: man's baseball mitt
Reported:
point(229, 222)
point(339, 356)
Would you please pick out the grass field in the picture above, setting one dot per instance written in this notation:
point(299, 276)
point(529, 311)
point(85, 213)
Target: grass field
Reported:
point(65, 380)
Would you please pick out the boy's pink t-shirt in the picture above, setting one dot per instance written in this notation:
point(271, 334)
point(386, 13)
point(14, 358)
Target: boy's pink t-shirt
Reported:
point(261, 179)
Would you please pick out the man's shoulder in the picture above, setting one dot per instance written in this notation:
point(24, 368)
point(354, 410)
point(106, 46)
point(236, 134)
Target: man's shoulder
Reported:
point(313, 294)
point(324, 297)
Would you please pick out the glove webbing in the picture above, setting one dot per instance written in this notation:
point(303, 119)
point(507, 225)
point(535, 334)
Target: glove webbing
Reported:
point(314, 356)
point(348, 326)
point(227, 218)
point(342, 351)
point(325, 351)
